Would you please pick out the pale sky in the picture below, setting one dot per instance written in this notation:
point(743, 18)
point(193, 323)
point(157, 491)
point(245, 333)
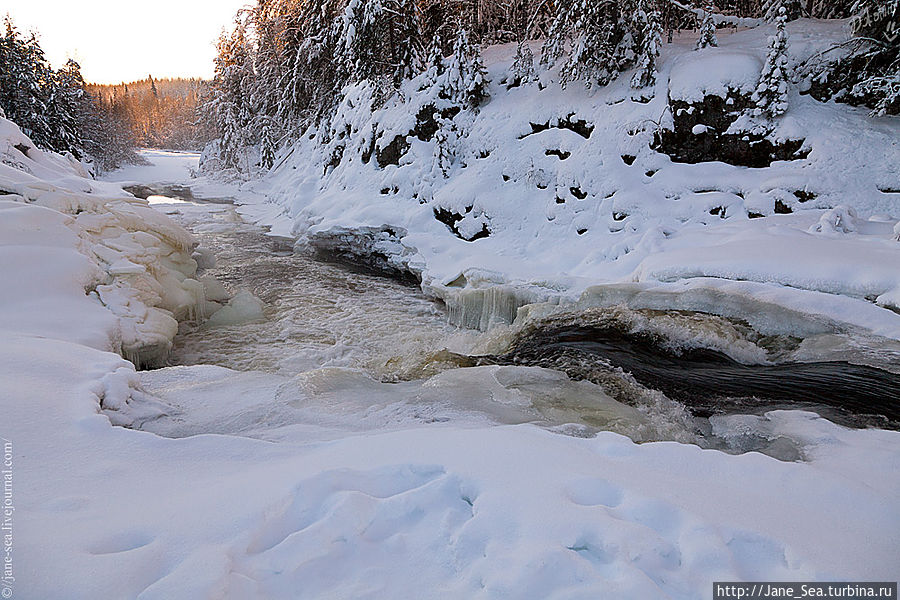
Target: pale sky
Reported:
point(125, 40)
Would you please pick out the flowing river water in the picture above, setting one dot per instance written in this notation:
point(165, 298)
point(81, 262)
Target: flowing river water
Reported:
point(342, 330)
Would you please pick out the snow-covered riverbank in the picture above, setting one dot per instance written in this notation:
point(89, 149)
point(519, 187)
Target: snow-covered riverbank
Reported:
point(565, 193)
point(422, 507)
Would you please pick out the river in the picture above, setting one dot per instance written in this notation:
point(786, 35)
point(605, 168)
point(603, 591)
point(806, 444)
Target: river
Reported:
point(343, 340)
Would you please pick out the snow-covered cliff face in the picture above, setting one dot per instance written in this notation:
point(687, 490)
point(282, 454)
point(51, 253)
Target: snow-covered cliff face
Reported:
point(74, 246)
point(554, 189)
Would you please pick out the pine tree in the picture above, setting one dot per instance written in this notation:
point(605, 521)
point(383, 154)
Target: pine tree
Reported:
point(707, 28)
point(465, 80)
point(601, 39)
point(648, 49)
point(771, 95)
point(522, 72)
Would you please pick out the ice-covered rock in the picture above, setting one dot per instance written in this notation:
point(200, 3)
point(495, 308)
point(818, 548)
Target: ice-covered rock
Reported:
point(141, 259)
point(244, 307)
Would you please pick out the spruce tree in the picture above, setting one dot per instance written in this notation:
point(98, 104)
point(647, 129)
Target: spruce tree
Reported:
point(445, 140)
point(648, 18)
point(26, 85)
point(67, 107)
point(600, 38)
point(230, 103)
point(434, 66)
point(465, 80)
point(267, 145)
point(771, 95)
point(378, 40)
point(522, 72)
point(707, 28)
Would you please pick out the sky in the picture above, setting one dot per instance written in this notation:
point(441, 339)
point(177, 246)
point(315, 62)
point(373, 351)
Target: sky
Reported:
point(127, 40)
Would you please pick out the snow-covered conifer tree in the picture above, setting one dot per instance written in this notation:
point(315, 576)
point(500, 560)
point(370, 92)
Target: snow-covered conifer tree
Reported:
point(67, 109)
point(24, 89)
point(267, 145)
point(599, 36)
point(229, 107)
point(434, 66)
point(648, 18)
point(465, 80)
point(445, 140)
point(378, 40)
point(771, 95)
point(522, 72)
point(707, 28)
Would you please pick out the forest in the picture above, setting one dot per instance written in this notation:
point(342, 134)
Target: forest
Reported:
point(285, 62)
point(283, 65)
point(161, 113)
point(101, 125)
point(54, 107)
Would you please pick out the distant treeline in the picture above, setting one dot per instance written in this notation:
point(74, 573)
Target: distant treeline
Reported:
point(161, 113)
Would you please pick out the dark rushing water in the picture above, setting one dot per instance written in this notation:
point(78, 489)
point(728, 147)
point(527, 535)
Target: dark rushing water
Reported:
point(709, 382)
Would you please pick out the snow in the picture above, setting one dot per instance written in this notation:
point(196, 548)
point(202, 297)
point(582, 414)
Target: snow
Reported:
point(329, 484)
point(699, 129)
point(713, 72)
point(758, 251)
point(166, 166)
point(566, 212)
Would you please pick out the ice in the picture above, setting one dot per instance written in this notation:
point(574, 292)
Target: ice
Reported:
point(243, 307)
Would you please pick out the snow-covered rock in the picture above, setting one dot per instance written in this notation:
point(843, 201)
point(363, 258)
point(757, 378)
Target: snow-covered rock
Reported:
point(713, 72)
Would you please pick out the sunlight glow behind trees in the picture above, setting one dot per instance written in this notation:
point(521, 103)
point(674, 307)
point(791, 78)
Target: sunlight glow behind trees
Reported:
point(118, 41)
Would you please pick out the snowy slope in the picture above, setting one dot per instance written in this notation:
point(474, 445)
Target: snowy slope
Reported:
point(568, 207)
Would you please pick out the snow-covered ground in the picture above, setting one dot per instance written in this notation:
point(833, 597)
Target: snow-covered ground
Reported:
point(274, 486)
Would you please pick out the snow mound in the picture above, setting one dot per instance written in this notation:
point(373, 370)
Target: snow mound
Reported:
point(713, 72)
point(121, 254)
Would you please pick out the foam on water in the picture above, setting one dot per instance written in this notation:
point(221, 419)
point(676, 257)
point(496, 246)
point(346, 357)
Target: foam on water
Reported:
point(313, 314)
